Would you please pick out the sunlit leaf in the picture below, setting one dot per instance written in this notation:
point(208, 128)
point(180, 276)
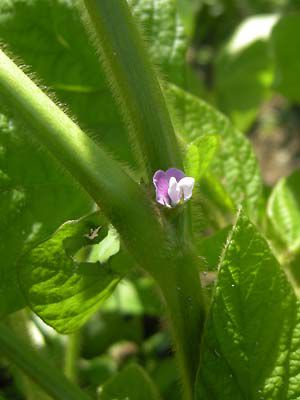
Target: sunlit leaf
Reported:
point(66, 278)
point(71, 68)
point(165, 34)
point(252, 336)
point(234, 166)
point(284, 211)
point(199, 155)
point(35, 198)
point(244, 70)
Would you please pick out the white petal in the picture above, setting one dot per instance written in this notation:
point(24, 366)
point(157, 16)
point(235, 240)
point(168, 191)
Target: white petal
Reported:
point(186, 186)
point(174, 191)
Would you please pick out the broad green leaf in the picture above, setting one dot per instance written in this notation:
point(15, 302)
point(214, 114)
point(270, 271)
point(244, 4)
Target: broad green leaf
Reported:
point(57, 49)
point(131, 383)
point(234, 166)
point(199, 155)
point(164, 28)
point(244, 70)
point(35, 198)
point(63, 279)
point(285, 43)
point(59, 53)
point(284, 211)
point(165, 34)
point(251, 343)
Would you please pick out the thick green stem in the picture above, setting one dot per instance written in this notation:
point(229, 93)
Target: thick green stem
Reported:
point(120, 198)
point(38, 368)
point(124, 203)
point(183, 294)
point(134, 82)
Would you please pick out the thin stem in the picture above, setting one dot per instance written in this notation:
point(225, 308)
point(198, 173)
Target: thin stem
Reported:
point(72, 355)
point(38, 368)
point(134, 82)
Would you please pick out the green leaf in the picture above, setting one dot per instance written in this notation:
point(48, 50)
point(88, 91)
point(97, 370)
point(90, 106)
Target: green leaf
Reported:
point(36, 197)
point(234, 166)
point(244, 70)
point(131, 383)
point(68, 276)
point(250, 348)
point(285, 43)
point(284, 211)
point(164, 31)
point(199, 155)
point(77, 79)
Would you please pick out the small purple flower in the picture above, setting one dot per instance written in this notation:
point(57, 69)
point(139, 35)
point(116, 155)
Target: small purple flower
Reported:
point(172, 187)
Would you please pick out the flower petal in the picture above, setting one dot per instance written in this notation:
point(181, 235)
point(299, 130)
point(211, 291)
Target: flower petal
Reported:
point(176, 173)
point(186, 186)
point(174, 191)
point(161, 183)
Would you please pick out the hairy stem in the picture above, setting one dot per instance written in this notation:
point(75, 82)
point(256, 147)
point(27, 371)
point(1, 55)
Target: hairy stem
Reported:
point(38, 368)
point(134, 82)
point(120, 198)
point(124, 203)
point(183, 294)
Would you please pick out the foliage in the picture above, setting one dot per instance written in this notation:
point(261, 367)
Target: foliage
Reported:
point(251, 339)
point(36, 197)
point(63, 289)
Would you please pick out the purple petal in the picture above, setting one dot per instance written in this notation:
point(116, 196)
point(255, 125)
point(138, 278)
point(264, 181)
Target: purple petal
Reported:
point(161, 183)
point(176, 173)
